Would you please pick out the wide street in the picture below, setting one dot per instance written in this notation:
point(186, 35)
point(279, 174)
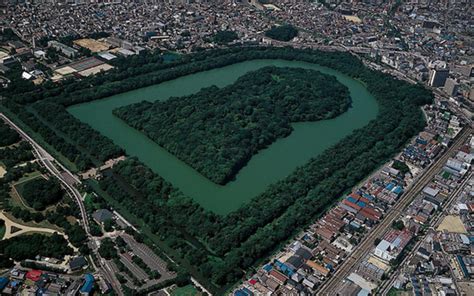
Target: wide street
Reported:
point(434, 223)
point(366, 246)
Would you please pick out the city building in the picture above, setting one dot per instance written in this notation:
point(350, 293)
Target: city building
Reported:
point(88, 285)
point(393, 243)
point(438, 77)
point(64, 49)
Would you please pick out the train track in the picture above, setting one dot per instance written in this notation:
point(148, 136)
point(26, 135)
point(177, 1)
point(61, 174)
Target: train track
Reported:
point(434, 223)
point(366, 246)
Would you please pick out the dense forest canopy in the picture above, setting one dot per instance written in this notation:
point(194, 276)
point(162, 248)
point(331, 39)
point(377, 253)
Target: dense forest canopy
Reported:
point(7, 135)
point(215, 249)
point(223, 37)
point(16, 154)
point(253, 231)
point(282, 33)
point(41, 193)
point(218, 130)
point(90, 141)
point(29, 246)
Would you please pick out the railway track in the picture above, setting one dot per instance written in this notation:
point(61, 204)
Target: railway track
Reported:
point(366, 246)
point(434, 223)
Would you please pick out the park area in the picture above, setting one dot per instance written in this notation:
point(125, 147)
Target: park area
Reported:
point(38, 193)
point(188, 290)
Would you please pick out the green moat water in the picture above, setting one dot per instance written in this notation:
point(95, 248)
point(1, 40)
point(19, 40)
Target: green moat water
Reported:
point(274, 163)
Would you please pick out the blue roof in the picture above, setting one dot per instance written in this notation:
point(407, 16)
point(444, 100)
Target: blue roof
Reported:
point(463, 266)
point(284, 267)
point(88, 284)
point(15, 283)
point(351, 199)
point(361, 204)
point(355, 224)
point(398, 190)
point(243, 292)
point(421, 140)
point(368, 196)
point(267, 267)
point(390, 186)
point(3, 282)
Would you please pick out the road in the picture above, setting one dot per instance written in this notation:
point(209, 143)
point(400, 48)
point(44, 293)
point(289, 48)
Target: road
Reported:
point(47, 160)
point(366, 246)
point(137, 271)
point(68, 181)
point(23, 228)
point(434, 223)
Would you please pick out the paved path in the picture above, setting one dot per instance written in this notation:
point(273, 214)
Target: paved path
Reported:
point(24, 228)
point(68, 181)
point(47, 160)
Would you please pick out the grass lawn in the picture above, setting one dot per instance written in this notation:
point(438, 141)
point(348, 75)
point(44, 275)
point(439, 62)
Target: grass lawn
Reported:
point(89, 203)
point(28, 177)
point(446, 175)
point(14, 229)
point(397, 292)
point(188, 290)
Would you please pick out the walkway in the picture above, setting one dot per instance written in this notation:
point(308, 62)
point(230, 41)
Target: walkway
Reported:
point(23, 228)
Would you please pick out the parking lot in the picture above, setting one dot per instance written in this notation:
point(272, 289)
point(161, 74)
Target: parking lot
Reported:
point(149, 257)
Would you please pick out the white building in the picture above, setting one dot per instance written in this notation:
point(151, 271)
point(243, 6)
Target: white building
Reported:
point(392, 245)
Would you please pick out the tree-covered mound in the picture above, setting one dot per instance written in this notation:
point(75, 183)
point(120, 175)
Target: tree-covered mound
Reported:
point(282, 33)
point(29, 246)
point(218, 130)
point(219, 250)
point(223, 37)
point(8, 136)
point(41, 193)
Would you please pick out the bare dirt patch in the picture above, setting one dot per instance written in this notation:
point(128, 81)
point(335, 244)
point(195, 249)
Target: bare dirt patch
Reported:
point(92, 44)
point(452, 224)
point(466, 287)
point(3, 171)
